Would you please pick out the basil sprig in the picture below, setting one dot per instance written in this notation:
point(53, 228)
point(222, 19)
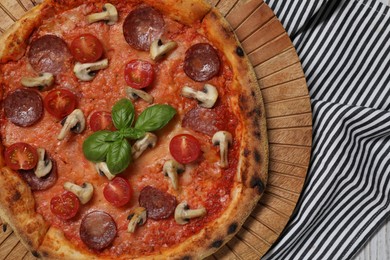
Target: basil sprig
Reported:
point(113, 147)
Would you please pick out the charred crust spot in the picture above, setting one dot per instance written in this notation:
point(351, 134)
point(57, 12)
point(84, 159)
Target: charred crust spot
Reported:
point(36, 254)
point(256, 183)
point(187, 257)
point(257, 156)
point(232, 228)
point(240, 51)
point(246, 152)
point(217, 243)
point(45, 254)
point(257, 134)
point(16, 196)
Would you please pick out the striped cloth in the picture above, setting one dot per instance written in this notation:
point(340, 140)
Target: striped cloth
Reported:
point(344, 47)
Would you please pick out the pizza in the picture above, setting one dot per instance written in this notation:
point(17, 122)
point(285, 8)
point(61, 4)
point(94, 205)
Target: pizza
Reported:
point(129, 129)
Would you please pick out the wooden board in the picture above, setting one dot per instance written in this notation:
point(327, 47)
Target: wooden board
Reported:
point(289, 123)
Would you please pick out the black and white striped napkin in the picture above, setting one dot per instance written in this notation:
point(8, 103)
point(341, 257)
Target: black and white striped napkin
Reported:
point(344, 47)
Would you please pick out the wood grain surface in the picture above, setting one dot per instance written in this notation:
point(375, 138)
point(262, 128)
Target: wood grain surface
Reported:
point(289, 120)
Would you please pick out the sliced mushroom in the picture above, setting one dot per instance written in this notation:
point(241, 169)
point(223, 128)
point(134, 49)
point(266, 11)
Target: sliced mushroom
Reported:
point(158, 49)
point(87, 71)
point(83, 192)
point(172, 169)
point(109, 14)
point(134, 94)
point(148, 141)
point(44, 80)
point(223, 139)
point(206, 98)
point(74, 122)
point(44, 166)
point(137, 218)
point(102, 169)
point(183, 213)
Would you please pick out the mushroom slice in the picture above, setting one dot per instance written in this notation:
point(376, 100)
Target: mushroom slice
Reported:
point(158, 49)
point(87, 71)
point(43, 166)
point(148, 141)
point(206, 98)
point(183, 213)
point(171, 169)
point(223, 139)
point(74, 122)
point(43, 80)
point(102, 169)
point(83, 192)
point(137, 218)
point(109, 14)
point(134, 94)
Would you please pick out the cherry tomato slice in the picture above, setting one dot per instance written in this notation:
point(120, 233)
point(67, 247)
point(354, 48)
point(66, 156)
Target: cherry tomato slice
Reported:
point(101, 120)
point(139, 74)
point(65, 205)
point(60, 102)
point(86, 48)
point(21, 156)
point(185, 148)
point(118, 192)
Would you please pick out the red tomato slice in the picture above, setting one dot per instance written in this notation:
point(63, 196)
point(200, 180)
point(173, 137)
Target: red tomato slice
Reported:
point(60, 102)
point(118, 192)
point(185, 148)
point(101, 120)
point(21, 156)
point(65, 205)
point(139, 74)
point(86, 48)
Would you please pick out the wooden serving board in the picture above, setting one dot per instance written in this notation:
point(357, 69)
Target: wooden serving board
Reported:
point(289, 123)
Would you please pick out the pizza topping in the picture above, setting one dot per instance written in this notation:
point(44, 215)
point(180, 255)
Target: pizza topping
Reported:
point(139, 74)
point(21, 156)
point(102, 169)
point(43, 81)
point(183, 213)
point(185, 148)
point(23, 107)
point(118, 192)
point(88, 71)
point(137, 218)
point(134, 94)
point(158, 49)
point(40, 183)
point(97, 230)
point(74, 122)
point(44, 165)
point(148, 141)
point(201, 62)
point(86, 48)
point(142, 26)
point(84, 192)
point(101, 120)
point(60, 102)
point(49, 53)
point(65, 205)
point(171, 169)
point(206, 98)
point(223, 139)
point(109, 14)
point(158, 204)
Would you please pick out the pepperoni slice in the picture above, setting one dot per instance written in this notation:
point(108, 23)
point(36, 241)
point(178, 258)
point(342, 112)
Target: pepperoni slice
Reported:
point(23, 107)
point(37, 183)
point(142, 26)
point(97, 230)
point(49, 53)
point(158, 204)
point(201, 62)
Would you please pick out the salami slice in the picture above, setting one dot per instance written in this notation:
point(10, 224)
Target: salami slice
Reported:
point(158, 204)
point(142, 26)
point(42, 183)
point(201, 62)
point(97, 230)
point(23, 107)
point(49, 53)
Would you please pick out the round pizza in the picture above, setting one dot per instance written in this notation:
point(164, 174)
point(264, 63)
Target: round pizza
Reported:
point(129, 129)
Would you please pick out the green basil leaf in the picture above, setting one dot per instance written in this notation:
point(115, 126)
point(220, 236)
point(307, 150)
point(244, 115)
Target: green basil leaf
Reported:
point(123, 113)
point(114, 136)
point(155, 117)
point(118, 156)
point(95, 147)
point(132, 133)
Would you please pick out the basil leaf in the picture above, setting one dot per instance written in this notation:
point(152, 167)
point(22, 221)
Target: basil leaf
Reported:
point(155, 117)
point(132, 133)
point(123, 114)
point(118, 156)
point(95, 147)
point(114, 136)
